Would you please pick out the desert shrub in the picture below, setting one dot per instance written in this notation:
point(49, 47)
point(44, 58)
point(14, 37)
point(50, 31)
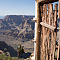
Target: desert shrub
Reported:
point(20, 50)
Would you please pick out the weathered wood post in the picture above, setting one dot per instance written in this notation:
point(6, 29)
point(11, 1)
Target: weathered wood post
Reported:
point(38, 33)
point(35, 30)
point(58, 36)
point(59, 18)
point(43, 42)
point(55, 24)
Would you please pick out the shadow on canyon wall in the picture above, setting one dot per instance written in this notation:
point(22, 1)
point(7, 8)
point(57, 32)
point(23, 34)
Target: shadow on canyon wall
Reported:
point(13, 53)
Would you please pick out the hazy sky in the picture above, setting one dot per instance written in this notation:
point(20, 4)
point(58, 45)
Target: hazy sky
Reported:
point(17, 7)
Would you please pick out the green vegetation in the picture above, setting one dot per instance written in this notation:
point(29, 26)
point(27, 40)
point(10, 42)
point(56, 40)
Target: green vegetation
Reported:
point(20, 50)
point(4, 57)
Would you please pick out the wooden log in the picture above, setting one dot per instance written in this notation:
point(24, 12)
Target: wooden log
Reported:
point(49, 32)
point(43, 34)
point(51, 23)
point(59, 10)
point(58, 36)
point(38, 35)
point(55, 24)
point(46, 1)
point(33, 41)
point(35, 19)
point(48, 26)
point(46, 30)
point(59, 18)
point(52, 33)
point(35, 30)
point(46, 40)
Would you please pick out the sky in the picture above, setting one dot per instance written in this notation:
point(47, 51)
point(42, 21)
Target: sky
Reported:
point(17, 7)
